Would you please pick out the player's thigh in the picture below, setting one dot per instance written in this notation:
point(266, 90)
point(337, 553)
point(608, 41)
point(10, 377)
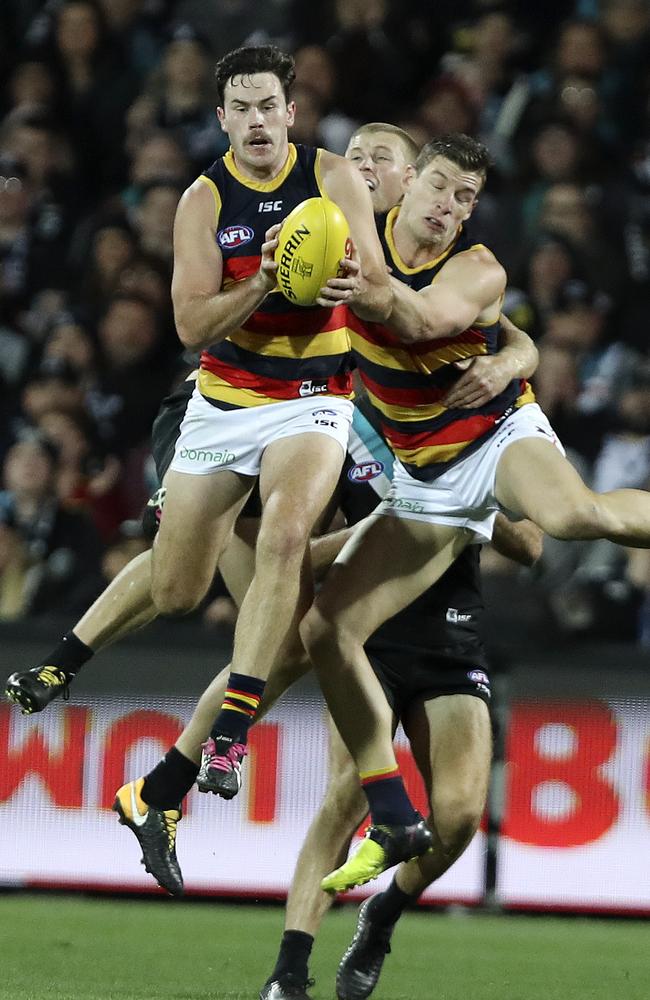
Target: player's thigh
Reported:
point(451, 740)
point(199, 514)
point(298, 476)
point(534, 480)
point(386, 564)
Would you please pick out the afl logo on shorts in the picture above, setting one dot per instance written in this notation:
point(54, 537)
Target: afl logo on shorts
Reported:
point(234, 236)
point(479, 677)
point(363, 472)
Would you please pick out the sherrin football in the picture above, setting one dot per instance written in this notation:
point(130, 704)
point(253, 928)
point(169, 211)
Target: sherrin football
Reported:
point(312, 241)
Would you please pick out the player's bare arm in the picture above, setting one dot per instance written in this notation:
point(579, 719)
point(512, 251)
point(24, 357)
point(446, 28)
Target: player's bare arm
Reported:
point(205, 313)
point(485, 376)
point(521, 541)
point(468, 289)
point(370, 286)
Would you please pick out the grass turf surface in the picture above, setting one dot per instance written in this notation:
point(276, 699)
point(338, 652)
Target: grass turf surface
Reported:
point(74, 948)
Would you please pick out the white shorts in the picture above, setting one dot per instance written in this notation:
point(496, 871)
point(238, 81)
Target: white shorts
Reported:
point(463, 496)
point(211, 439)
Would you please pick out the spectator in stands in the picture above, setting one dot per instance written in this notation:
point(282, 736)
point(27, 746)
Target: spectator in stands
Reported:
point(134, 28)
point(551, 155)
point(31, 85)
point(112, 247)
point(315, 69)
point(86, 478)
point(96, 88)
point(180, 98)
point(160, 156)
point(29, 260)
point(153, 220)
point(604, 368)
point(549, 264)
point(573, 212)
point(50, 554)
point(58, 194)
point(133, 377)
point(53, 385)
point(69, 340)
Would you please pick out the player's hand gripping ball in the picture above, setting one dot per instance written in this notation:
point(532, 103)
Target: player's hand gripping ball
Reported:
point(313, 239)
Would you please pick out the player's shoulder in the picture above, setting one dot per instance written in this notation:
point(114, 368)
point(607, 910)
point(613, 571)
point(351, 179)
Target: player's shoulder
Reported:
point(200, 197)
point(479, 255)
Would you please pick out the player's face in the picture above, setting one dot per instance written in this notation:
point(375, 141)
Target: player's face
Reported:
point(381, 157)
point(256, 117)
point(438, 200)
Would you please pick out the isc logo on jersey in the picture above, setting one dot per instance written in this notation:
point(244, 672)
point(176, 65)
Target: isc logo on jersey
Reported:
point(234, 236)
point(363, 472)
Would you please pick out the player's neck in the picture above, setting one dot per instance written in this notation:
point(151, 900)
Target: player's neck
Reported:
point(413, 251)
point(263, 172)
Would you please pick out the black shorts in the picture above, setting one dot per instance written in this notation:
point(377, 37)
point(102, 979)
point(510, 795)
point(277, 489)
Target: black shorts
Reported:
point(164, 434)
point(167, 426)
point(408, 675)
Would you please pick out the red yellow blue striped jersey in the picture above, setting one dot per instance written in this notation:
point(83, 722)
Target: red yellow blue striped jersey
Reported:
point(406, 383)
point(282, 351)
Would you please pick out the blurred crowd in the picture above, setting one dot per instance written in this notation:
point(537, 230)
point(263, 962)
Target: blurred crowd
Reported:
point(106, 115)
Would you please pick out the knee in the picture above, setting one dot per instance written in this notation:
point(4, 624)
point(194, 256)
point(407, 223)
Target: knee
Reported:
point(172, 598)
point(456, 819)
point(321, 637)
point(281, 540)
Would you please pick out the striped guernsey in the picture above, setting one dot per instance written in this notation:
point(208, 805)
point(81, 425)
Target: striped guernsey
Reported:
point(406, 383)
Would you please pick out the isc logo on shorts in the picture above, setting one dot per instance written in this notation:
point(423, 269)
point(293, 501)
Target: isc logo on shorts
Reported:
point(363, 472)
point(234, 236)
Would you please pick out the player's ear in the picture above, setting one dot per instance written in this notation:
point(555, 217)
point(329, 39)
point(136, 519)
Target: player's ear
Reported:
point(409, 176)
point(291, 113)
point(221, 117)
point(471, 208)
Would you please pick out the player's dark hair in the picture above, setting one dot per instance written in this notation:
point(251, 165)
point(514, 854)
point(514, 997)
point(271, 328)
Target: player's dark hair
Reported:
point(255, 59)
point(463, 150)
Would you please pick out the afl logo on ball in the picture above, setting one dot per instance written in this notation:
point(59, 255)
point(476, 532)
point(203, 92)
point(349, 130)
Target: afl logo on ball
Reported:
point(234, 236)
point(363, 472)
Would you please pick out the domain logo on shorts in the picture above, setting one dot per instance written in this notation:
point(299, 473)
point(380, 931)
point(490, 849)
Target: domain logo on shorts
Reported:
point(205, 456)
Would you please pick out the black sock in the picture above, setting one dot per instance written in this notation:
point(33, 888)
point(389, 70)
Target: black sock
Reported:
point(170, 781)
point(239, 708)
point(70, 655)
point(293, 956)
point(387, 907)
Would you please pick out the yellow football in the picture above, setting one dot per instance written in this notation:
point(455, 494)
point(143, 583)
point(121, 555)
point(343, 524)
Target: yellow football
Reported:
point(312, 241)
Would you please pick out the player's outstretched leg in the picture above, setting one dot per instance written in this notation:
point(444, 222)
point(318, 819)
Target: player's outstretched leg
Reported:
point(33, 689)
point(450, 737)
point(124, 606)
point(325, 845)
point(155, 831)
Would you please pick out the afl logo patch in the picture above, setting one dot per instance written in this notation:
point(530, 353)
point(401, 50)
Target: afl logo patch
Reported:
point(234, 236)
point(363, 472)
point(479, 677)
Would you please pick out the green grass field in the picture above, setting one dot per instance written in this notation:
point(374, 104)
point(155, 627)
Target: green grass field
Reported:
point(74, 948)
